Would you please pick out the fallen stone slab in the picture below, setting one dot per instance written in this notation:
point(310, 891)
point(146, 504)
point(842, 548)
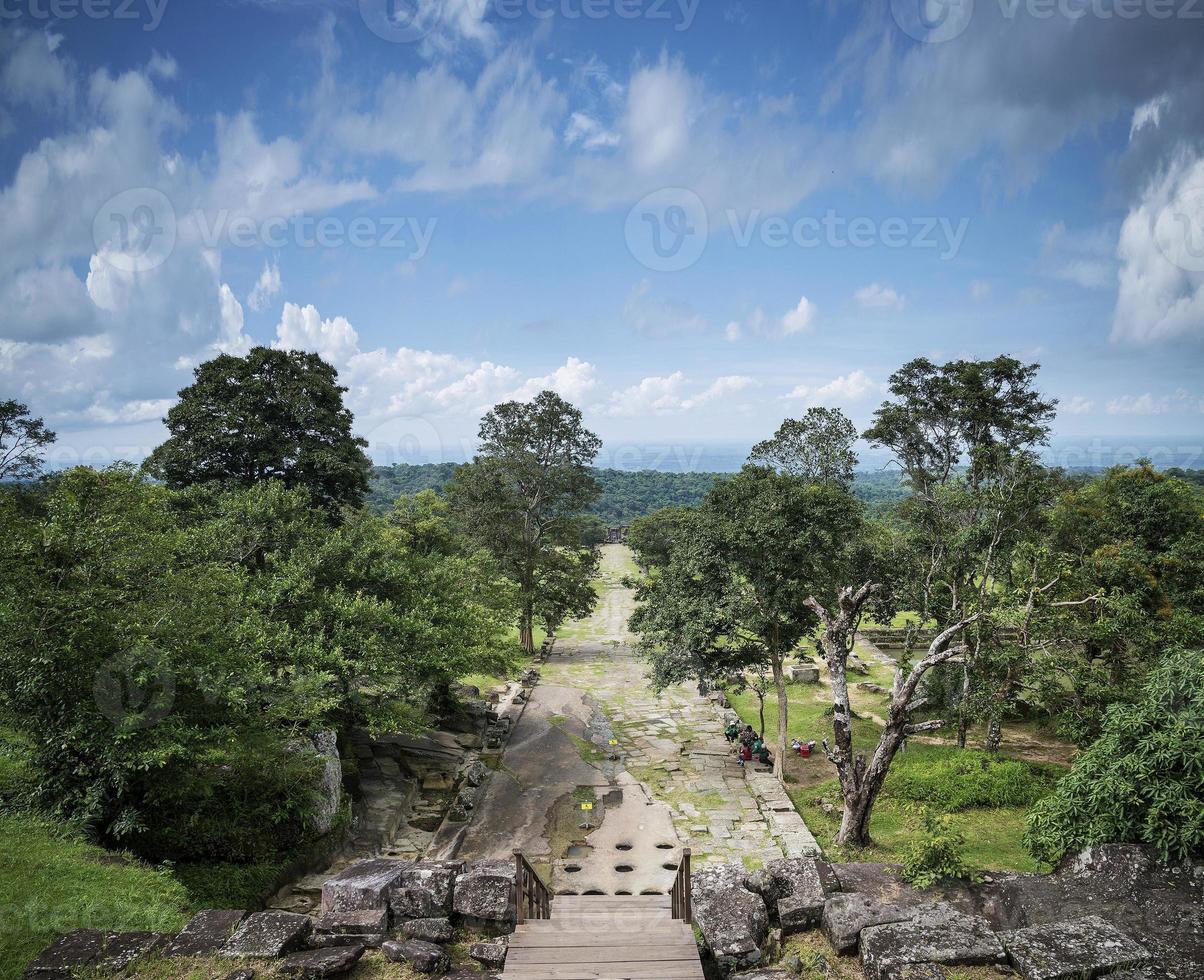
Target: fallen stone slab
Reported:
point(429, 930)
point(362, 885)
point(918, 971)
point(121, 949)
point(764, 975)
point(66, 954)
point(317, 963)
point(483, 894)
point(269, 935)
point(1085, 947)
point(424, 890)
point(360, 927)
point(205, 933)
point(845, 914)
point(936, 934)
point(733, 920)
point(491, 953)
point(421, 956)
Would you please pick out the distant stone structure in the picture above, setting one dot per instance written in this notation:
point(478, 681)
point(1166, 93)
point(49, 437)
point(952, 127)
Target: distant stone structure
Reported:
point(617, 534)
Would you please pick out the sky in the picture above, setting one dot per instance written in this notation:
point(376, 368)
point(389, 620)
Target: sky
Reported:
point(692, 218)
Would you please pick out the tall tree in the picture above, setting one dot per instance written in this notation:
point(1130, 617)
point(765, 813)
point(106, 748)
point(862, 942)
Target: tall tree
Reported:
point(522, 498)
point(22, 440)
point(733, 595)
point(965, 434)
point(861, 780)
point(819, 446)
point(271, 415)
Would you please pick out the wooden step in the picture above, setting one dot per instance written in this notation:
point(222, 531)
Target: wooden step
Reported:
point(634, 970)
point(558, 938)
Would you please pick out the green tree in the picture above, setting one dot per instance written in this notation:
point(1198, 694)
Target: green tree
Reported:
point(819, 446)
point(1142, 780)
point(652, 537)
point(271, 415)
point(22, 441)
point(522, 499)
point(965, 435)
point(734, 593)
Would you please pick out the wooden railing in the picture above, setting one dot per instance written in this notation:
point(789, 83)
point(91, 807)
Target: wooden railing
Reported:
point(532, 900)
point(680, 897)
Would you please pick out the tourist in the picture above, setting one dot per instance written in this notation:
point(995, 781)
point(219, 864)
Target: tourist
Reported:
point(763, 755)
point(731, 732)
point(796, 746)
point(745, 753)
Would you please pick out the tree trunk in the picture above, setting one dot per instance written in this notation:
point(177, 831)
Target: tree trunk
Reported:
point(994, 736)
point(779, 681)
point(963, 722)
point(526, 631)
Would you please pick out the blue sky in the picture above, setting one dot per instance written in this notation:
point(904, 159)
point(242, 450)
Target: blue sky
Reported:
point(691, 218)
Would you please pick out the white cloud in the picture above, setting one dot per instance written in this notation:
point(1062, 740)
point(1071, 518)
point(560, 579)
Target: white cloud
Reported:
point(1077, 405)
point(800, 319)
point(658, 317)
point(267, 286)
point(1161, 294)
point(587, 132)
point(1148, 113)
point(302, 328)
point(980, 289)
point(573, 381)
point(1146, 404)
point(877, 296)
point(851, 387)
point(668, 395)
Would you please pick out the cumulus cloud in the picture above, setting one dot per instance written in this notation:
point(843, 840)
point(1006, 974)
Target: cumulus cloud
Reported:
point(797, 320)
point(800, 319)
point(877, 296)
point(670, 395)
point(658, 317)
point(846, 388)
point(267, 286)
point(1077, 405)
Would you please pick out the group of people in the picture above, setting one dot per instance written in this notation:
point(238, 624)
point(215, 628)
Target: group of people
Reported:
point(752, 745)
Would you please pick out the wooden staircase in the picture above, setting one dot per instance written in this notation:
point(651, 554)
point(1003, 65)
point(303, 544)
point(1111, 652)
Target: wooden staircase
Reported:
point(602, 937)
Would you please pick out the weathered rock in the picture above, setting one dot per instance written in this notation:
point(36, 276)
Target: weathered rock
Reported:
point(1067, 950)
point(317, 963)
point(241, 975)
point(484, 894)
point(847, 913)
point(429, 930)
point(269, 934)
point(330, 782)
point(361, 927)
point(936, 934)
point(424, 890)
point(205, 933)
point(476, 773)
point(92, 950)
point(796, 893)
point(734, 921)
point(362, 885)
point(421, 956)
point(917, 971)
point(763, 975)
point(492, 953)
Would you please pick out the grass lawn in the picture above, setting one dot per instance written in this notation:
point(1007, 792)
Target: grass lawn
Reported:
point(53, 883)
point(992, 833)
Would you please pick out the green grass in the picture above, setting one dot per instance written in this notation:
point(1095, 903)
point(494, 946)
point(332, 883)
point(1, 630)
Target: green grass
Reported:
point(229, 886)
point(993, 833)
point(53, 883)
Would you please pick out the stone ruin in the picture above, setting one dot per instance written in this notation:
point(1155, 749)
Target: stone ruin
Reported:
point(408, 910)
point(1108, 911)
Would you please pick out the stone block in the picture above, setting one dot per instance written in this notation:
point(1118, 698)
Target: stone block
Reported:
point(205, 933)
point(936, 934)
point(316, 964)
point(362, 885)
point(1085, 947)
point(269, 935)
point(847, 913)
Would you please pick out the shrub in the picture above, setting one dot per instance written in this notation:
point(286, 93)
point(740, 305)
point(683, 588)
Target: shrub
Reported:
point(230, 886)
point(967, 779)
point(936, 853)
point(1142, 780)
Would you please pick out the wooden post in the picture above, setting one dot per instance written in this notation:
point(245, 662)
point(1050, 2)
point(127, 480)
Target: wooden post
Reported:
point(686, 894)
point(518, 887)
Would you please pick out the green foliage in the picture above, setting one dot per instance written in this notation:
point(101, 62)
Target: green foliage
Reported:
point(651, 538)
point(819, 446)
point(967, 779)
point(1142, 780)
point(271, 415)
point(936, 853)
point(223, 885)
point(52, 882)
point(22, 440)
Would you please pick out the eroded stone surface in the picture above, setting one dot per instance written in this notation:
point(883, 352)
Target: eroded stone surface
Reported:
point(205, 933)
point(317, 963)
point(1067, 950)
point(421, 956)
point(67, 953)
point(733, 920)
point(430, 930)
point(362, 885)
point(491, 954)
point(269, 934)
point(845, 914)
point(936, 934)
point(484, 893)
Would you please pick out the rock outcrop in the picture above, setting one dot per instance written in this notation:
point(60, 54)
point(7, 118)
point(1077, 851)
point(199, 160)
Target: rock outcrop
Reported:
point(483, 895)
point(734, 921)
point(935, 935)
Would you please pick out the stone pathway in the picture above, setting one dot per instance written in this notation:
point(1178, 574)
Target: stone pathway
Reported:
point(673, 775)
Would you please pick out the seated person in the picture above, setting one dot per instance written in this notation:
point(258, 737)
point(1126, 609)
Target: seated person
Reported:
point(745, 753)
point(731, 732)
point(763, 755)
point(796, 745)
point(757, 745)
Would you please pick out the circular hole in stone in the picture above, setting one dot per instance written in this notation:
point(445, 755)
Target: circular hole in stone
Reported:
point(621, 892)
point(651, 891)
point(567, 891)
point(572, 869)
point(623, 868)
point(669, 867)
point(664, 847)
point(622, 847)
point(594, 891)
